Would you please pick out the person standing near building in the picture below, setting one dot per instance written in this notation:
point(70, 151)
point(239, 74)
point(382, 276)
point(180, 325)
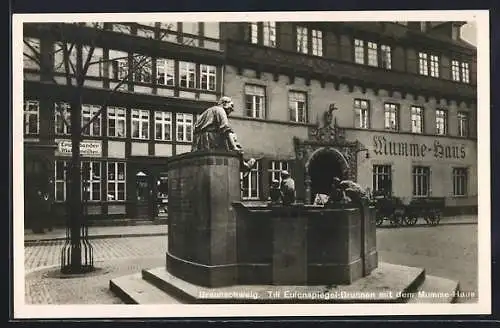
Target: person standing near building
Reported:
point(287, 188)
point(212, 131)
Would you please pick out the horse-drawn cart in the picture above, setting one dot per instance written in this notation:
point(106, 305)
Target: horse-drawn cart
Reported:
point(393, 209)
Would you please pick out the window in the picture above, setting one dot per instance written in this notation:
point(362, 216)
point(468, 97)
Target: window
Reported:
point(187, 77)
point(168, 31)
point(264, 30)
point(60, 170)
point(140, 124)
point(184, 127)
point(59, 62)
point(116, 122)
point(421, 181)
point(118, 63)
point(463, 124)
point(385, 56)
point(96, 66)
point(116, 181)
point(193, 29)
point(297, 105)
point(146, 30)
point(417, 119)
point(382, 178)
point(62, 118)
point(302, 39)
point(275, 170)
point(460, 180)
point(250, 188)
point(372, 54)
point(121, 28)
point(465, 72)
point(143, 70)
point(207, 77)
point(255, 97)
point(422, 64)
point(455, 70)
point(391, 117)
point(31, 115)
point(441, 122)
point(91, 172)
point(94, 129)
point(165, 71)
point(359, 51)
point(163, 126)
point(361, 113)
point(31, 51)
point(317, 42)
point(434, 66)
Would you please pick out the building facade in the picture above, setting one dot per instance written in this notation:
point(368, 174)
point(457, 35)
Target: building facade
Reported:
point(397, 101)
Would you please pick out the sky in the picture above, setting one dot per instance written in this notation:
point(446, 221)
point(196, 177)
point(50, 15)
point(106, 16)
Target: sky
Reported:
point(469, 33)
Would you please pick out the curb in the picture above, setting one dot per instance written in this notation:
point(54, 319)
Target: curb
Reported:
point(130, 235)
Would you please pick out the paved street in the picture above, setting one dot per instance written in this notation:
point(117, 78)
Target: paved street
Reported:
point(447, 250)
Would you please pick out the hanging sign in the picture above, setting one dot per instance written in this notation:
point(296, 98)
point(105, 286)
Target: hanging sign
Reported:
point(88, 148)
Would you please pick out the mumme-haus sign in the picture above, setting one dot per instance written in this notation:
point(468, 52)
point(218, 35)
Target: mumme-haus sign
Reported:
point(383, 145)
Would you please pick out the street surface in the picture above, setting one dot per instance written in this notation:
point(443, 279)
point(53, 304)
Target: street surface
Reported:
point(448, 251)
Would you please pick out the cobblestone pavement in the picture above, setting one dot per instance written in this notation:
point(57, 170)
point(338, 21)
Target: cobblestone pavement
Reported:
point(448, 251)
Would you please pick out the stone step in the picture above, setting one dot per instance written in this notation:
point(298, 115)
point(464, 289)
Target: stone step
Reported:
point(434, 290)
point(132, 289)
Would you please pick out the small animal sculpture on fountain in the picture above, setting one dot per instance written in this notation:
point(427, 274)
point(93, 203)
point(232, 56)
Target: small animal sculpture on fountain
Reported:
point(287, 188)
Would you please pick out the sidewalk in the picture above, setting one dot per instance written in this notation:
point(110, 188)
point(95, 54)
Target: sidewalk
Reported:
point(100, 232)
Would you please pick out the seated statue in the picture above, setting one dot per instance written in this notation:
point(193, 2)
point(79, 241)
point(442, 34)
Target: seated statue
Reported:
point(275, 192)
point(213, 132)
point(287, 188)
point(354, 191)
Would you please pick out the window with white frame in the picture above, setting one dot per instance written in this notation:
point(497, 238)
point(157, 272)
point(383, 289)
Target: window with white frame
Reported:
point(417, 119)
point(302, 39)
point(460, 181)
point(423, 67)
point(91, 180)
point(143, 69)
point(441, 121)
point(184, 123)
point(463, 124)
point(317, 42)
point(140, 124)
point(391, 117)
point(96, 64)
point(60, 171)
point(361, 113)
point(31, 117)
point(250, 185)
point(187, 74)
point(31, 52)
point(116, 181)
point(117, 117)
point(59, 62)
point(421, 181)
point(254, 32)
point(163, 126)
point(385, 56)
point(118, 65)
point(255, 99)
point(455, 70)
point(465, 72)
point(434, 66)
point(165, 71)
point(275, 170)
point(359, 51)
point(382, 178)
point(88, 112)
point(297, 104)
point(62, 118)
point(269, 34)
point(372, 54)
point(208, 75)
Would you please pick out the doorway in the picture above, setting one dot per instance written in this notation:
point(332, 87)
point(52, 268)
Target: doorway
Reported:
point(323, 167)
point(143, 196)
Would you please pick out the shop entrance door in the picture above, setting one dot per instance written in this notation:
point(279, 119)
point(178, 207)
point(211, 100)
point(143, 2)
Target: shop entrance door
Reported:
point(143, 196)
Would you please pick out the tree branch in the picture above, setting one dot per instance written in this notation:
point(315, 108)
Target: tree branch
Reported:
point(35, 52)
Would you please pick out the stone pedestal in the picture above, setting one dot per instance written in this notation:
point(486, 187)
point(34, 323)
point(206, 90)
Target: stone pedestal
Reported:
point(202, 223)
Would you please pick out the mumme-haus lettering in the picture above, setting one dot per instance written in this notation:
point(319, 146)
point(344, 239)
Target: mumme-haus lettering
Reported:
point(383, 145)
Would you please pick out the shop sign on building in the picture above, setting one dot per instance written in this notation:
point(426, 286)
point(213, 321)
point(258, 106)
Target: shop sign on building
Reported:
point(386, 146)
point(88, 148)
